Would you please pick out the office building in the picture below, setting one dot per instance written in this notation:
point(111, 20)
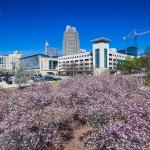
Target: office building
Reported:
point(2, 63)
point(104, 57)
point(75, 64)
point(40, 63)
point(10, 62)
point(49, 50)
point(71, 44)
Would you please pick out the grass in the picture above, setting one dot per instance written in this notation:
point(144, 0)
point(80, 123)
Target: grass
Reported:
point(55, 83)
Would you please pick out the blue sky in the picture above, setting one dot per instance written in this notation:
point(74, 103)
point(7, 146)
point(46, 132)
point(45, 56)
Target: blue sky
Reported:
point(26, 24)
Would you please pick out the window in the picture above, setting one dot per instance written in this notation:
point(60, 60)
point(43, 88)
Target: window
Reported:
point(105, 58)
point(97, 58)
point(50, 64)
point(1, 61)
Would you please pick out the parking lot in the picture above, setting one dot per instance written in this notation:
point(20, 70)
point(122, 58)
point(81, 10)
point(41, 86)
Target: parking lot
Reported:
point(4, 85)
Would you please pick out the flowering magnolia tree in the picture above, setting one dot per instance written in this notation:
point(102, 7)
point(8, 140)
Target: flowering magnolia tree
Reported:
point(42, 117)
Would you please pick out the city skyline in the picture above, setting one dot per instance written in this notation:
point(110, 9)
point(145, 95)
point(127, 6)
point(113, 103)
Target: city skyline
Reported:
point(26, 25)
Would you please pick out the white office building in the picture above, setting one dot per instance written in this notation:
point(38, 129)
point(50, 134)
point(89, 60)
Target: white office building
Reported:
point(75, 64)
point(10, 62)
point(104, 57)
point(71, 44)
point(2, 63)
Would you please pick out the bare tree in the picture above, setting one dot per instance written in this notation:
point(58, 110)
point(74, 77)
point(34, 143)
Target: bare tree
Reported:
point(72, 69)
point(21, 76)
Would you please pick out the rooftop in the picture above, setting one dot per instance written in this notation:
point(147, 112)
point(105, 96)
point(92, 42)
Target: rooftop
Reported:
point(101, 40)
point(43, 55)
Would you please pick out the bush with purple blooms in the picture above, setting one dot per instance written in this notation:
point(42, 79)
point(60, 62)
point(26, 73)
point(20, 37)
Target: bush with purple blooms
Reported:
point(44, 117)
point(117, 108)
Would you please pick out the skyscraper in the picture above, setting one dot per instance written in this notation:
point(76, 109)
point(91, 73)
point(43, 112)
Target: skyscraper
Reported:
point(71, 41)
point(49, 50)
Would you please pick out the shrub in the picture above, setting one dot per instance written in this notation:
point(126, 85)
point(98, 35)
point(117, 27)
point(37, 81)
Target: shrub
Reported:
point(40, 117)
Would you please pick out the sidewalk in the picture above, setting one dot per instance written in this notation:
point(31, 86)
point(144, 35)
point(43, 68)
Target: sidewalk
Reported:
point(5, 86)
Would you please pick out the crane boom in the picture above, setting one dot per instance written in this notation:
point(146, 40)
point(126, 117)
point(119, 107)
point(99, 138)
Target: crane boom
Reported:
point(143, 33)
point(135, 35)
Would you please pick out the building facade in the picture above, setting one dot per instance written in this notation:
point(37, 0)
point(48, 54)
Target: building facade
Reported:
point(49, 50)
point(2, 63)
point(40, 63)
point(75, 64)
point(105, 58)
point(100, 61)
point(10, 62)
point(71, 44)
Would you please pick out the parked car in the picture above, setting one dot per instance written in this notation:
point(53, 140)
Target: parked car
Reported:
point(48, 78)
point(38, 78)
point(56, 78)
point(4, 78)
point(9, 80)
point(45, 78)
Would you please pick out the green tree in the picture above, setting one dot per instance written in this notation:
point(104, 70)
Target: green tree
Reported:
point(146, 63)
point(147, 59)
point(128, 65)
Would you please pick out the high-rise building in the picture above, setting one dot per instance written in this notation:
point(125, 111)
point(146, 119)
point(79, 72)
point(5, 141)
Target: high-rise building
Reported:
point(71, 41)
point(49, 50)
